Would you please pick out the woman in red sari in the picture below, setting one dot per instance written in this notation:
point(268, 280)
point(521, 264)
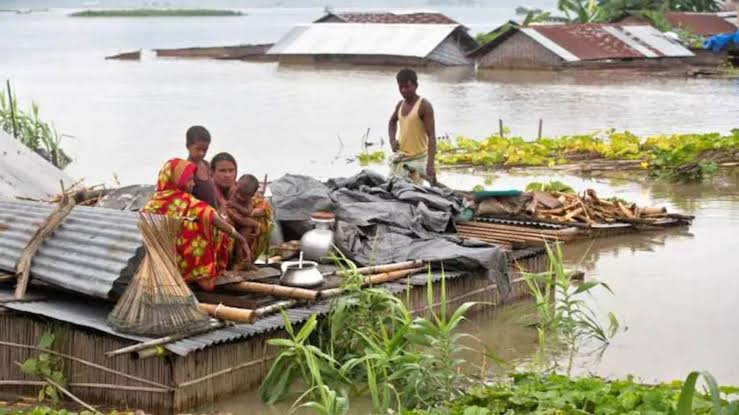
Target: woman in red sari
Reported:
point(203, 247)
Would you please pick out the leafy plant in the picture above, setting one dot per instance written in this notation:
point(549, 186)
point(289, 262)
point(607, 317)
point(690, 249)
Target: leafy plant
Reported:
point(32, 131)
point(562, 315)
point(581, 11)
point(374, 157)
point(46, 366)
point(664, 156)
point(535, 17)
point(375, 348)
point(297, 360)
point(533, 393)
point(432, 374)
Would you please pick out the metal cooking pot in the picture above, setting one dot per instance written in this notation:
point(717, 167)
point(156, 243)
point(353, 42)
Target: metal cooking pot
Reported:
point(316, 243)
point(295, 276)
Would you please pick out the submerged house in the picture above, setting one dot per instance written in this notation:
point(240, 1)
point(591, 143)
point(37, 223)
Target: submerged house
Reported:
point(376, 44)
point(596, 46)
point(701, 24)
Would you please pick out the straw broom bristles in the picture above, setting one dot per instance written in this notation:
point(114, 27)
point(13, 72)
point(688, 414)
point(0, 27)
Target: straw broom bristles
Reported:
point(158, 302)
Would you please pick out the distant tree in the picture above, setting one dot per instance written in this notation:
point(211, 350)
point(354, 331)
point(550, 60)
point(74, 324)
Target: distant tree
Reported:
point(695, 5)
point(615, 8)
point(535, 17)
point(582, 11)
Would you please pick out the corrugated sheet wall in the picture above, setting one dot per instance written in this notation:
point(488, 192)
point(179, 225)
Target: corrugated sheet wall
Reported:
point(449, 52)
point(94, 252)
point(520, 52)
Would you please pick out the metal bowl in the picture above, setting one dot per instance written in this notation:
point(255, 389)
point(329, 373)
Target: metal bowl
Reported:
point(295, 276)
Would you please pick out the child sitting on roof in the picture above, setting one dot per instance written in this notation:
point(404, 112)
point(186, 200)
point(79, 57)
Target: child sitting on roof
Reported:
point(251, 215)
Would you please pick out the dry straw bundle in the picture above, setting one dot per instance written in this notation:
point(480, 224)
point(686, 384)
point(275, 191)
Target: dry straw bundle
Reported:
point(158, 302)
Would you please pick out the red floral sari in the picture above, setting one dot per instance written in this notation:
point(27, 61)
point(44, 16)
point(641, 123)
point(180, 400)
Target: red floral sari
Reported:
point(202, 250)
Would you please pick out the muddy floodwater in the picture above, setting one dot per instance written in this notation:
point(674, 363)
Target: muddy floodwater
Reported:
point(126, 118)
point(676, 292)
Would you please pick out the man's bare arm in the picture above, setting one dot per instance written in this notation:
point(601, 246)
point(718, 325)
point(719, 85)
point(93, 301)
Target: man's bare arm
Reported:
point(392, 129)
point(429, 123)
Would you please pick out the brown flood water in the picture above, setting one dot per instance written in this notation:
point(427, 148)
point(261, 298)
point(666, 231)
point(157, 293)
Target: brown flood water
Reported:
point(675, 291)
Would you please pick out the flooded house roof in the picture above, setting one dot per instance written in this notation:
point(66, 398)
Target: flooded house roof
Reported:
point(388, 18)
point(93, 314)
point(703, 24)
point(406, 40)
point(94, 251)
point(23, 173)
point(589, 42)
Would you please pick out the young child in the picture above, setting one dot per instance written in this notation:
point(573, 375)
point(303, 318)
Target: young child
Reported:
point(197, 142)
point(251, 216)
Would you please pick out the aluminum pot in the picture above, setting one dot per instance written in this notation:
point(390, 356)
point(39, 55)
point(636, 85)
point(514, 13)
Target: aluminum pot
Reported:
point(295, 276)
point(316, 243)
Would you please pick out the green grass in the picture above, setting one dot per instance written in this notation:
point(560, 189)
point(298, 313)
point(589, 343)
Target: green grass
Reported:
point(157, 13)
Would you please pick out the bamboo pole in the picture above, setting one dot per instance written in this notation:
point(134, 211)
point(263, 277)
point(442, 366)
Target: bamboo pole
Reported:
point(162, 340)
point(541, 125)
point(273, 308)
point(274, 290)
point(519, 231)
point(82, 361)
point(259, 312)
point(23, 266)
point(376, 269)
point(390, 276)
point(519, 228)
point(372, 280)
point(222, 312)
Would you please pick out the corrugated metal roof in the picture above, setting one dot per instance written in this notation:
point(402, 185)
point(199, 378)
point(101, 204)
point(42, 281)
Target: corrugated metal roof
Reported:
point(633, 43)
point(93, 314)
point(392, 17)
point(551, 45)
point(23, 173)
point(580, 42)
point(658, 41)
point(94, 251)
point(412, 40)
point(703, 24)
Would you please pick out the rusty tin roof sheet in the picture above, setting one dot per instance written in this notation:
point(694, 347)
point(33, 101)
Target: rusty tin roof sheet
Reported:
point(582, 42)
point(703, 24)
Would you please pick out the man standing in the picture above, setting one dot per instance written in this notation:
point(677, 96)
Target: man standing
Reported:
point(415, 145)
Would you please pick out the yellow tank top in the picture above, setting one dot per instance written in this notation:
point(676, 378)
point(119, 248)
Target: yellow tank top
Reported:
point(413, 139)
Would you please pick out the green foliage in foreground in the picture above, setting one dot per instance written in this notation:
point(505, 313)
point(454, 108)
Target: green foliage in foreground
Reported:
point(375, 348)
point(531, 393)
point(671, 156)
point(157, 13)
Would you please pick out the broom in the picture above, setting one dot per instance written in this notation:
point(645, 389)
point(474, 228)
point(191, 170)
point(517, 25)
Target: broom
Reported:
point(158, 302)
